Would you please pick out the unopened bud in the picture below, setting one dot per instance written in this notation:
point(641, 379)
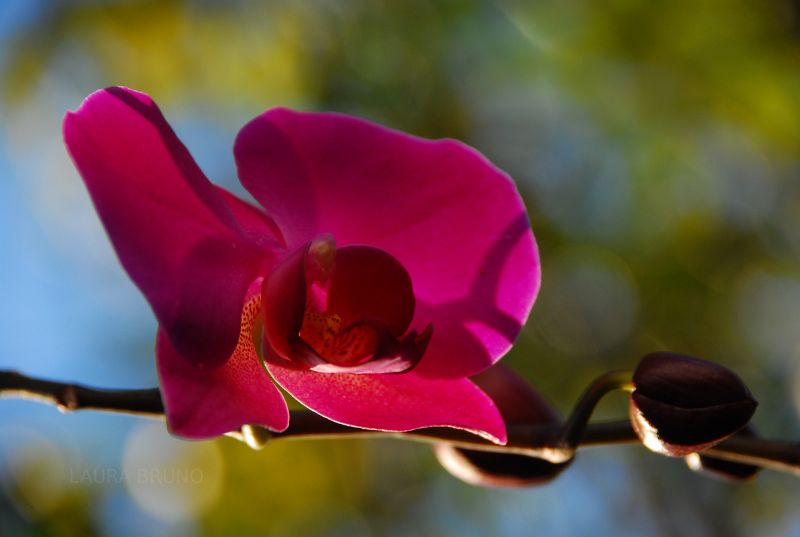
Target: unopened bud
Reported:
point(681, 404)
point(490, 469)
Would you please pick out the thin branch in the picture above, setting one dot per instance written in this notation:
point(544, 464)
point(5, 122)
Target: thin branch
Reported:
point(68, 397)
point(533, 440)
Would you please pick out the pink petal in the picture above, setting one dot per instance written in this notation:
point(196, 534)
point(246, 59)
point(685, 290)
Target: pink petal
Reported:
point(284, 297)
point(205, 404)
point(394, 402)
point(202, 323)
point(173, 231)
point(253, 221)
point(453, 220)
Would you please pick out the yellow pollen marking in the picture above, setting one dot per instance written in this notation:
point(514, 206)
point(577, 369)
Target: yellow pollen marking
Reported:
point(320, 330)
point(247, 335)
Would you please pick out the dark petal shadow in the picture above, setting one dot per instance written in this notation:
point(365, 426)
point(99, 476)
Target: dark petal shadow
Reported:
point(205, 320)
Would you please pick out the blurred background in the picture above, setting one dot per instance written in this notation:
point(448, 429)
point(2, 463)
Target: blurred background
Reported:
point(657, 145)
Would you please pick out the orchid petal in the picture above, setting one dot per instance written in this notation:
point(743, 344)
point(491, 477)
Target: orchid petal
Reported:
point(204, 404)
point(169, 225)
point(254, 222)
point(284, 296)
point(393, 402)
point(455, 222)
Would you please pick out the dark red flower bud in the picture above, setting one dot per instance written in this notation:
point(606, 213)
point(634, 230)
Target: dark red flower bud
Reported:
point(519, 403)
point(681, 404)
point(722, 468)
point(490, 469)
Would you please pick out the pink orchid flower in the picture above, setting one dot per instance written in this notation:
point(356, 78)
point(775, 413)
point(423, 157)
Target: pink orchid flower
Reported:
point(380, 273)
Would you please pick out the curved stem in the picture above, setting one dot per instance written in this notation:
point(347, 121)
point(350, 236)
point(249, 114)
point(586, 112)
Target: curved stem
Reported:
point(531, 440)
point(577, 421)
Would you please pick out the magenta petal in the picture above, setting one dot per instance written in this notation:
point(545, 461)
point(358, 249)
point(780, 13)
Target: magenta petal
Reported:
point(284, 297)
point(201, 404)
point(454, 221)
point(173, 231)
point(203, 322)
point(394, 402)
point(204, 404)
point(253, 221)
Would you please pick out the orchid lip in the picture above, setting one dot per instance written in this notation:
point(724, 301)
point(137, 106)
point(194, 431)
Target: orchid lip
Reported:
point(344, 310)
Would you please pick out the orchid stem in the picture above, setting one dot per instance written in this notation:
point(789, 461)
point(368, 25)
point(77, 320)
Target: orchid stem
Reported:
point(575, 426)
point(531, 440)
point(68, 397)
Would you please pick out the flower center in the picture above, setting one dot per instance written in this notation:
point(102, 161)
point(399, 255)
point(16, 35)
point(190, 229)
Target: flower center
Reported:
point(325, 333)
point(342, 310)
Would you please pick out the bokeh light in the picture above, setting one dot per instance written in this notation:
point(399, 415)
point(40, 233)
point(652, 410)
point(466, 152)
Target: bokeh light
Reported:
point(170, 479)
